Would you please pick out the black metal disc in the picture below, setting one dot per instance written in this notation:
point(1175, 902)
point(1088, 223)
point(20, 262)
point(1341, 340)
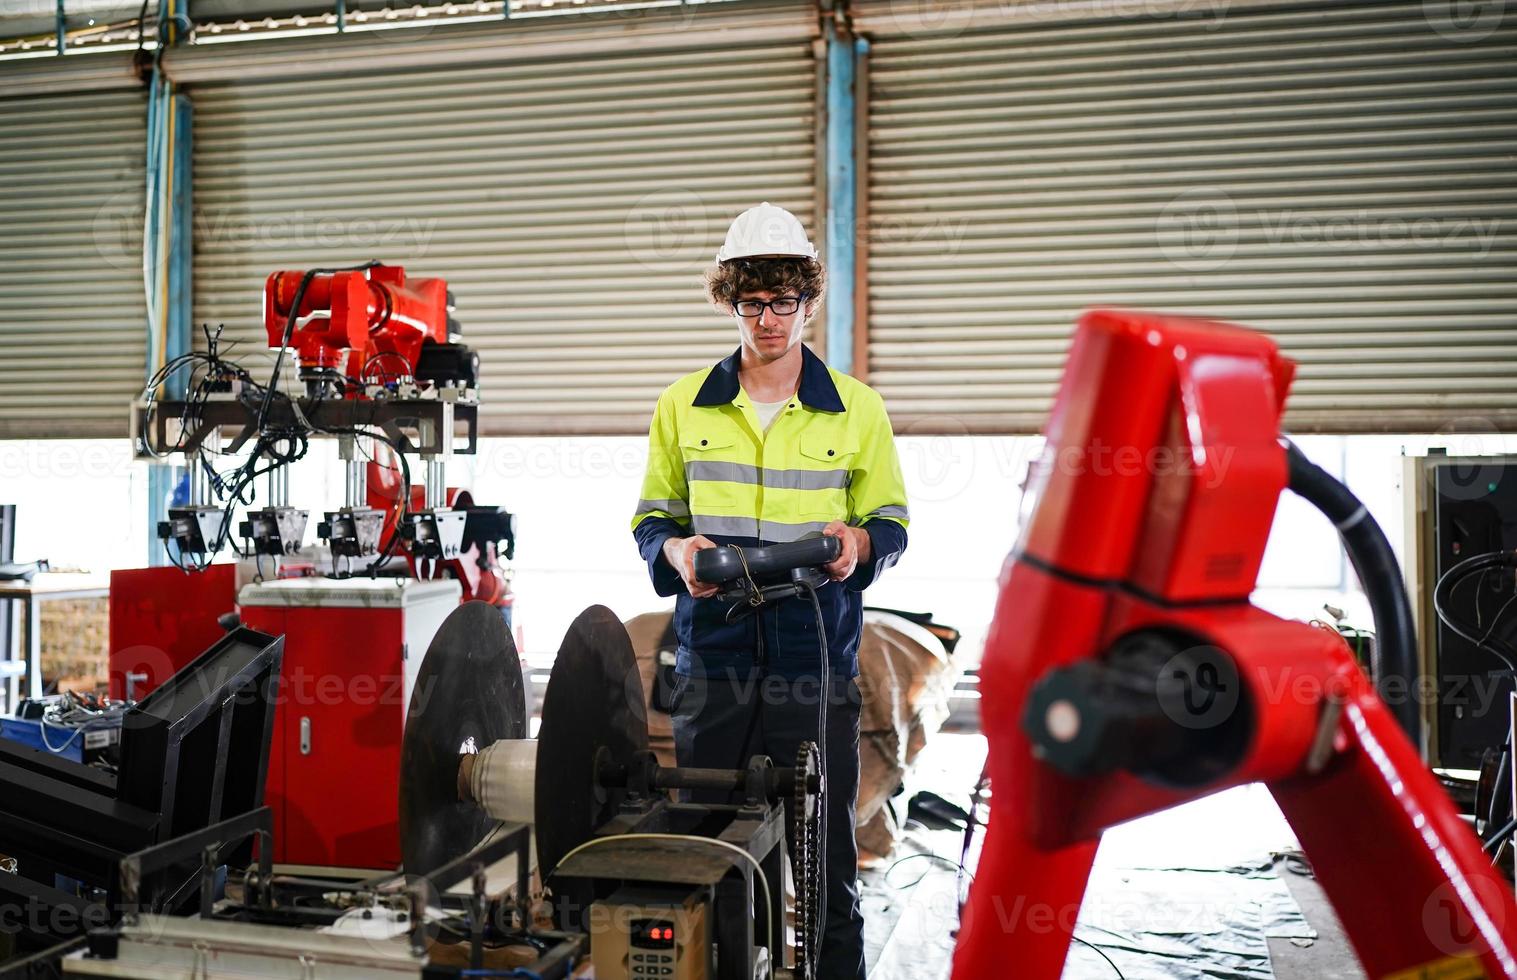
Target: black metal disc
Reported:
point(468, 695)
point(594, 699)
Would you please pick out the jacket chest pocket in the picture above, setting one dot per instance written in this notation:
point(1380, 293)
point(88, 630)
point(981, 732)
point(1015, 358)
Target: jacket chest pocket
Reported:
point(715, 482)
point(828, 461)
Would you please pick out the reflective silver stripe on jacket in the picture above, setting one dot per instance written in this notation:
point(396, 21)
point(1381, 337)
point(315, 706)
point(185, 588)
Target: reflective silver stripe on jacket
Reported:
point(747, 527)
point(674, 508)
point(711, 470)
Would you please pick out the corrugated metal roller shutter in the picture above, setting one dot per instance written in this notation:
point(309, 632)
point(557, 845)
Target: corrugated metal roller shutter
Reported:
point(1339, 175)
point(71, 193)
point(572, 206)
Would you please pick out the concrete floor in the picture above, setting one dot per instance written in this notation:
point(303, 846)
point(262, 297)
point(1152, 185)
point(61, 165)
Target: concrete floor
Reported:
point(1330, 957)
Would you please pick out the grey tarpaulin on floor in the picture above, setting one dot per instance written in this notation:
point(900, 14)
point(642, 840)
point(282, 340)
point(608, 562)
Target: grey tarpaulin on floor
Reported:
point(1183, 895)
point(1185, 924)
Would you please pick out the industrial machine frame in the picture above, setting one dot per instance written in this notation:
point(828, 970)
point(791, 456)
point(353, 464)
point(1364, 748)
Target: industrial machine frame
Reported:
point(193, 751)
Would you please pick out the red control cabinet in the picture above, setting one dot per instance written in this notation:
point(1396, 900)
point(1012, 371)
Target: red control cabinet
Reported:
point(351, 653)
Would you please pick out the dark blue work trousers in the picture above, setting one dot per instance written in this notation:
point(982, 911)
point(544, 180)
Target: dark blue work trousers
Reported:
point(721, 722)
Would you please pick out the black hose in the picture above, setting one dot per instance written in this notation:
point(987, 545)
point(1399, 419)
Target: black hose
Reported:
point(1394, 661)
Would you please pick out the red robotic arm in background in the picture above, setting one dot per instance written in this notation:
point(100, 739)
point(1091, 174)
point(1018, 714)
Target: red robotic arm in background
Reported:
point(356, 324)
point(1126, 671)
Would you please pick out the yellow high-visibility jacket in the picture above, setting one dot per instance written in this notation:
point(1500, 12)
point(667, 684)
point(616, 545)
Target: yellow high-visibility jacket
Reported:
point(712, 470)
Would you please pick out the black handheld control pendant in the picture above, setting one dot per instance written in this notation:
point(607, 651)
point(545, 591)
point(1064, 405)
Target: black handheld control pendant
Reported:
point(724, 563)
point(752, 578)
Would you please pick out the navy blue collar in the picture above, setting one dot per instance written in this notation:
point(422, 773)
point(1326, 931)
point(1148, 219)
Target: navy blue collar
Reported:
point(816, 388)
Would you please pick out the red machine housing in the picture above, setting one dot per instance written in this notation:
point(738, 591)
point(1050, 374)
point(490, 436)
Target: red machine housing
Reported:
point(352, 649)
point(161, 619)
point(1153, 501)
point(361, 325)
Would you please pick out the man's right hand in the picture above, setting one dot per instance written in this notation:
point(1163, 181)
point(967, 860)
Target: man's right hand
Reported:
point(680, 554)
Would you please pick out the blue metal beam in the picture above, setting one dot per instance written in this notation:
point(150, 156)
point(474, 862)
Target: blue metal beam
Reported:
point(841, 191)
point(165, 478)
point(62, 27)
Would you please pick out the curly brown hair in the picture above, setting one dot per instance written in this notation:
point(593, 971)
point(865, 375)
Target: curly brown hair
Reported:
point(726, 281)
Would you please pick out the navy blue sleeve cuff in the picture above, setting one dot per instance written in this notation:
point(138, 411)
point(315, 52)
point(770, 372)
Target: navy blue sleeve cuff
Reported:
point(651, 535)
point(887, 540)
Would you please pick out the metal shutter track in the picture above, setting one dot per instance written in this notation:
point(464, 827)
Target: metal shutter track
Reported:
point(75, 335)
point(1023, 174)
point(572, 206)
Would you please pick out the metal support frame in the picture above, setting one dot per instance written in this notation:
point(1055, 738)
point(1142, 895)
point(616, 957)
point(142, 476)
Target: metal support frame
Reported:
point(164, 476)
point(210, 845)
point(841, 232)
point(861, 218)
point(423, 426)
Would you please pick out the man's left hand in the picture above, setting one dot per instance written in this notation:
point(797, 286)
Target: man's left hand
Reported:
point(856, 548)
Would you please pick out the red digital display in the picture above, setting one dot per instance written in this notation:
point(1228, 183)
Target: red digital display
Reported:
point(652, 934)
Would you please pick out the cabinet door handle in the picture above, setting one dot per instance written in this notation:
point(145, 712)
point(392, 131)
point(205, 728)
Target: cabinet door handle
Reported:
point(305, 736)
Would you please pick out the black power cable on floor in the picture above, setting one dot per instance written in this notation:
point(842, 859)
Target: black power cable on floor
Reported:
point(1101, 953)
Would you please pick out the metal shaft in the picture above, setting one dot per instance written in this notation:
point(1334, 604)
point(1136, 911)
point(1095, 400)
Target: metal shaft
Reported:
point(437, 484)
point(357, 493)
point(279, 486)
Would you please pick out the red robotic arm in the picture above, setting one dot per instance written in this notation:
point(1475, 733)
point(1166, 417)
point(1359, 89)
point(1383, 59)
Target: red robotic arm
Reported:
point(1126, 672)
point(353, 321)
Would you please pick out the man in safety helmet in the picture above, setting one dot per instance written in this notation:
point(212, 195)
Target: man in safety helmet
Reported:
point(768, 446)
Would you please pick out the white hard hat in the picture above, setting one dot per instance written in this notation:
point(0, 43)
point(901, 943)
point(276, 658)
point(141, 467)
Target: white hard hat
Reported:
point(766, 231)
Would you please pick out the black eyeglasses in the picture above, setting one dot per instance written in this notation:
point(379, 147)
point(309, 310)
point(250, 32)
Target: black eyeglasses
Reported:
point(783, 306)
